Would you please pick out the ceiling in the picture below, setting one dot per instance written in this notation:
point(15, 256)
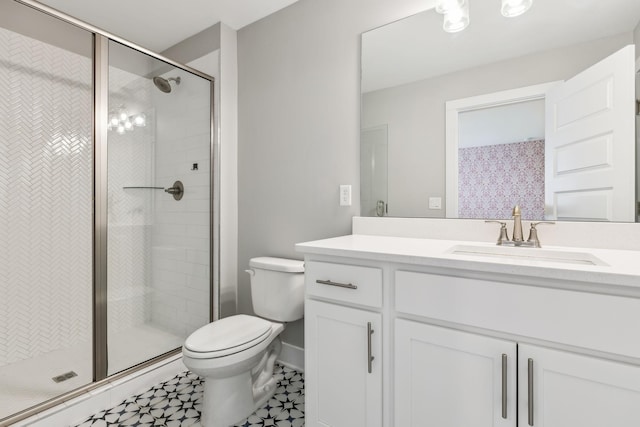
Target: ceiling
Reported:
point(417, 48)
point(159, 24)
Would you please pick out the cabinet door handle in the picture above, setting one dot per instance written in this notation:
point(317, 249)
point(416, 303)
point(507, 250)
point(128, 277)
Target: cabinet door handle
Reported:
point(340, 285)
point(530, 390)
point(504, 386)
point(369, 356)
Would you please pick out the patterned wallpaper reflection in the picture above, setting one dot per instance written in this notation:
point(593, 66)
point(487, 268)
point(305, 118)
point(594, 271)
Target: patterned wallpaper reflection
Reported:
point(494, 178)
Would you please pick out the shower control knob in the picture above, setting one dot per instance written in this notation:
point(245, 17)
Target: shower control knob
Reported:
point(177, 190)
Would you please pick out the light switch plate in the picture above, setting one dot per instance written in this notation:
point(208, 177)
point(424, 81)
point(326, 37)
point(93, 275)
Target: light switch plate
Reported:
point(435, 203)
point(345, 195)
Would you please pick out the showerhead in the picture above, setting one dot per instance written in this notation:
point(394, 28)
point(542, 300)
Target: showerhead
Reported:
point(163, 84)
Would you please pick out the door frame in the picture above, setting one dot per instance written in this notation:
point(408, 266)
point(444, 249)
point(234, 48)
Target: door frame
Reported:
point(453, 110)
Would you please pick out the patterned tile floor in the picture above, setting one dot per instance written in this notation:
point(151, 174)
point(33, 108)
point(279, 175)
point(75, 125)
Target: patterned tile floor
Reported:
point(177, 403)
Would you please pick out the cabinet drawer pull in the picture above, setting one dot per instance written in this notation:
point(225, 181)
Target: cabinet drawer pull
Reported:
point(530, 390)
point(369, 356)
point(504, 386)
point(340, 285)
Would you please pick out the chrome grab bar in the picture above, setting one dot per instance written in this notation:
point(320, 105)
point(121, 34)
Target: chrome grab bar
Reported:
point(177, 190)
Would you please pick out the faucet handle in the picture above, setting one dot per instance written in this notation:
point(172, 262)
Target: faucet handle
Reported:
point(533, 233)
point(504, 237)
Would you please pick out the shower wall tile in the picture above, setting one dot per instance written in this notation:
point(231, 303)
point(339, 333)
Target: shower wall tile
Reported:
point(180, 270)
point(129, 213)
point(46, 160)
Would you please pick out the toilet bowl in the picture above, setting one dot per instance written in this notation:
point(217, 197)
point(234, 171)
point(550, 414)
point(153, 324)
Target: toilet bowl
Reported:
point(236, 355)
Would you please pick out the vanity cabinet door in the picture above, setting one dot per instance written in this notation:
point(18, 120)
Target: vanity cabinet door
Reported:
point(574, 390)
point(343, 385)
point(448, 378)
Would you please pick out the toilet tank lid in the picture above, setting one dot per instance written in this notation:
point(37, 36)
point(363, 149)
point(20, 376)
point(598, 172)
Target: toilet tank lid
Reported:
point(277, 264)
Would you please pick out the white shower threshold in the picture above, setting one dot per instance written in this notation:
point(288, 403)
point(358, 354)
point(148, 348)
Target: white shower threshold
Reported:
point(29, 382)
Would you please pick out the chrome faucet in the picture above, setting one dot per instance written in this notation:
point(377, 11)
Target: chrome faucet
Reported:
point(517, 226)
point(518, 239)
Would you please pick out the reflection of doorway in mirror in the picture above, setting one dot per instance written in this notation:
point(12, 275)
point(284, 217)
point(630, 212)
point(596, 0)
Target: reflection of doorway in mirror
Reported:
point(589, 141)
point(373, 171)
point(501, 161)
point(590, 148)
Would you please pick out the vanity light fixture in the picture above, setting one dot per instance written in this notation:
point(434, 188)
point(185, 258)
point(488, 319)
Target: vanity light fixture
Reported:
point(121, 121)
point(511, 8)
point(444, 6)
point(456, 14)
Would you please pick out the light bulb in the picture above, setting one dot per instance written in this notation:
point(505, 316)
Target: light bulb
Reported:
point(511, 8)
point(120, 129)
point(122, 115)
point(456, 19)
point(128, 125)
point(113, 120)
point(140, 120)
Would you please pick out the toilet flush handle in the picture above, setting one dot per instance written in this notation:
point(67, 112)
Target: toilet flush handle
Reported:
point(251, 272)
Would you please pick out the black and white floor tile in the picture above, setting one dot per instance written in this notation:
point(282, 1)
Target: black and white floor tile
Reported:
point(178, 402)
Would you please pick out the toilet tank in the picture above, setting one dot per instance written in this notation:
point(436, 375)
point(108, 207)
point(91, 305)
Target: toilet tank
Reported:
point(277, 288)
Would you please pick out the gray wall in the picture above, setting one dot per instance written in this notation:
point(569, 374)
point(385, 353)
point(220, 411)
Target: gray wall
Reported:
point(299, 126)
point(636, 39)
point(415, 115)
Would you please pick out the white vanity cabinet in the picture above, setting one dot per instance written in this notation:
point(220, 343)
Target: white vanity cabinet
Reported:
point(343, 346)
point(440, 369)
point(448, 378)
point(569, 389)
point(457, 344)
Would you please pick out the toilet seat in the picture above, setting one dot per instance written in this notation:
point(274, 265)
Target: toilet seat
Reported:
point(228, 336)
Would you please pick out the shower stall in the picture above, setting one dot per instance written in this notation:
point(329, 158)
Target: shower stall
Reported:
point(106, 207)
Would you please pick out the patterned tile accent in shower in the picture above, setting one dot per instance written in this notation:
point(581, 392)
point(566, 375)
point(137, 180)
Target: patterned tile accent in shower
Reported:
point(178, 402)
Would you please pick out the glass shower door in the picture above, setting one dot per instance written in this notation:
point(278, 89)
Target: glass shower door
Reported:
point(158, 238)
point(46, 190)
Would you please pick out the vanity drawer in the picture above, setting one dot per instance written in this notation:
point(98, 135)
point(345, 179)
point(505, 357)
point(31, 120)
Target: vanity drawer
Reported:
point(600, 322)
point(342, 282)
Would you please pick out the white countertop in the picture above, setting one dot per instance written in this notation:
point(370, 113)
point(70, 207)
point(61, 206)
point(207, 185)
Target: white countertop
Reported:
point(622, 267)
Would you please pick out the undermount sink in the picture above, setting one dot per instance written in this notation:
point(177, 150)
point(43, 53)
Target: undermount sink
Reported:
point(527, 254)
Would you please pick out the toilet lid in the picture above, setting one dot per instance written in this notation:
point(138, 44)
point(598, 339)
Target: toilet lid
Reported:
point(231, 333)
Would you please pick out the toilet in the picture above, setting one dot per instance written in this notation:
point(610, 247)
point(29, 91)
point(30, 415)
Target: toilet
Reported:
point(236, 355)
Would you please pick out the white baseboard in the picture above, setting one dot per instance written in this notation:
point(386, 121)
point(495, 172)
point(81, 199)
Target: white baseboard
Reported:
point(292, 357)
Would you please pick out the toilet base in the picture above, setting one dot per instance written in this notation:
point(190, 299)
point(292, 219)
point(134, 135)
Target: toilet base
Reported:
point(227, 401)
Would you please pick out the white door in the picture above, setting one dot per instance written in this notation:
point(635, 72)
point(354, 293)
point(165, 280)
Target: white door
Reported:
point(448, 378)
point(573, 390)
point(590, 143)
point(343, 387)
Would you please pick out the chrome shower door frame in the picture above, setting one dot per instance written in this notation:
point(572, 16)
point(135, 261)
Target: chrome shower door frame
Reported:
point(100, 119)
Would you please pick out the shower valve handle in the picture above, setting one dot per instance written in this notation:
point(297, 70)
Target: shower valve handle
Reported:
point(177, 190)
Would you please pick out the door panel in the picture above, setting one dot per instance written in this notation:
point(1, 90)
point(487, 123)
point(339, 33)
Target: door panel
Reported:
point(448, 378)
point(576, 390)
point(590, 143)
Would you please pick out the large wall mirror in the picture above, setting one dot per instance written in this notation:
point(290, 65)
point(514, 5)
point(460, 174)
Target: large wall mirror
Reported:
point(538, 110)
